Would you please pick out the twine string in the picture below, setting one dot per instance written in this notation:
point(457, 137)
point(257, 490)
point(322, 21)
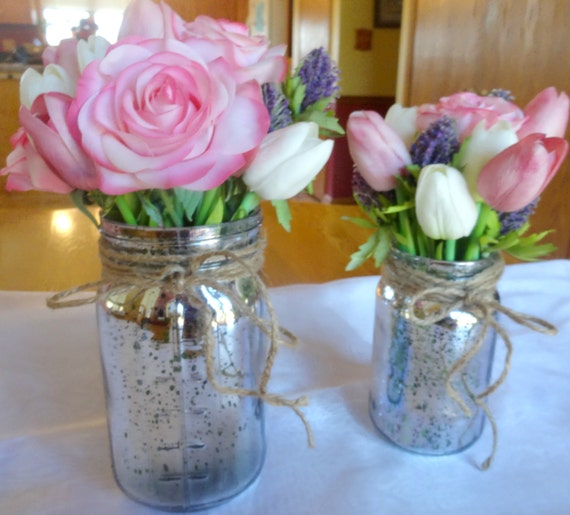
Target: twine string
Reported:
point(124, 272)
point(438, 297)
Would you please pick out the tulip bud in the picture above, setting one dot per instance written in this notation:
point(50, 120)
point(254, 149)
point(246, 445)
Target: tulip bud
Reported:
point(519, 174)
point(287, 161)
point(483, 145)
point(376, 149)
point(403, 121)
point(444, 208)
point(547, 113)
point(54, 79)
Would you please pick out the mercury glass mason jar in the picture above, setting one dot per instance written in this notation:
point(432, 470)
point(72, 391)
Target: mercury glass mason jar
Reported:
point(409, 398)
point(179, 442)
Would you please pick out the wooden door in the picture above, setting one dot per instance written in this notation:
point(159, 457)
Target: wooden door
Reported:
point(519, 45)
point(235, 10)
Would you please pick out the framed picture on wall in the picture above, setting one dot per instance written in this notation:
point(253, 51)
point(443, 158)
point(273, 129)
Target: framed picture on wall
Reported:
point(387, 13)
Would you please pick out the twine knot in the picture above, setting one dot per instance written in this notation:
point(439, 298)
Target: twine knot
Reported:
point(124, 272)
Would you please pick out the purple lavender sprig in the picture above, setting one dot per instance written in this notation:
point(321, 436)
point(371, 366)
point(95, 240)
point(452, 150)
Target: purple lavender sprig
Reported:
point(437, 144)
point(366, 196)
point(505, 94)
point(514, 221)
point(278, 106)
point(320, 75)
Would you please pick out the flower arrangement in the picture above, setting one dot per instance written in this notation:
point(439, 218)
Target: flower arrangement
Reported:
point(456, 180)
point(177, 124)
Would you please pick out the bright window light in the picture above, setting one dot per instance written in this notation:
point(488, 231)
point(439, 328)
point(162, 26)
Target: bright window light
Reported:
point(59, 23)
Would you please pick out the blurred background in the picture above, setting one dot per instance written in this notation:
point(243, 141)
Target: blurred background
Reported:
point(410, 51)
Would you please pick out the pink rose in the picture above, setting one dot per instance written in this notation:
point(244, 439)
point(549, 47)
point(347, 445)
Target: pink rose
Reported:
point(520, 173)
point(249, 55)
point(376, 149)
point(152, 114)
point(468, 109)
point(230, 40)
point(547, 113)
point(27, 170)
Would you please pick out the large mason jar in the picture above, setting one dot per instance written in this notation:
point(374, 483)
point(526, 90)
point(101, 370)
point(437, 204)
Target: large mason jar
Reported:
point(178, 345)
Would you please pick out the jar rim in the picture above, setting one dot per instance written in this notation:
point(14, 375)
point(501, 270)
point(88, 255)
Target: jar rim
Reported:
point(121, 230)
point(458, 268)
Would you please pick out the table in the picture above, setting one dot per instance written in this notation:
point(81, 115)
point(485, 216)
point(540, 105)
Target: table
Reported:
point(54, 451)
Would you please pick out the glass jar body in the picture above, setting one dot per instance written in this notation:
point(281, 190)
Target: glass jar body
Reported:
point(409, 400)
point(177, 442)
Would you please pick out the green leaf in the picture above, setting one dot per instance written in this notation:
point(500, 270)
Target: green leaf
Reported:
point(328, 123)
point(124, 204)
point(208, 203)
point(170, 208)
point(404, 206)
point(190, 201)
point(377, 247)
point(78, 199)
point(364, 252)
point(526, 249)
point(458, 157)
point(283, 213)
point(216, 215)
point(382, 247)
point(249, 202)
point(297, 99)
point(151, 210)
point(361, 222)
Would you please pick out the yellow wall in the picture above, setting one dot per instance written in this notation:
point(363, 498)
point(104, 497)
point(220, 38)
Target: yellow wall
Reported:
point(372, 72)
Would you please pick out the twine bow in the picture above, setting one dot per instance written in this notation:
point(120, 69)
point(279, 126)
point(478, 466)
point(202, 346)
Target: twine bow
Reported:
point(125, 273)
point(474, 295)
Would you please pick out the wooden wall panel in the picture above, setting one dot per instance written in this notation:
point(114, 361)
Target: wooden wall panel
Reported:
point(235, 10)
point(519, 45)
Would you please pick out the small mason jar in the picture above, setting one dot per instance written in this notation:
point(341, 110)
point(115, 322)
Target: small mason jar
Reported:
point(178, 442)
point(412, 361)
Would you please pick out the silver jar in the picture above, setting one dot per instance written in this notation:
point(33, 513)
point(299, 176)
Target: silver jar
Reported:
point(179, 442)
point(410, 401)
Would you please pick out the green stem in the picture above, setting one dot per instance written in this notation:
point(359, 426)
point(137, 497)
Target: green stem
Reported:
point(450, 246)
point(404, 223)
point(168, 202)
point(248, 203)
point(125, 210)
point(473, 251)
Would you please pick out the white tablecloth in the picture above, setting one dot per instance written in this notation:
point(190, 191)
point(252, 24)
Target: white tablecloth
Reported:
point(54, 455)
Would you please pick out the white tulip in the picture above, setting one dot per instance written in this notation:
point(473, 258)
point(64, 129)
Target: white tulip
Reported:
point(53, 79)
point(87, 51)
point(481, 147)
point(403, 121)
point(444, 207)
point(287, 161)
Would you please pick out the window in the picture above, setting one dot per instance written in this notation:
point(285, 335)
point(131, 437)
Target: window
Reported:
point(60, 22)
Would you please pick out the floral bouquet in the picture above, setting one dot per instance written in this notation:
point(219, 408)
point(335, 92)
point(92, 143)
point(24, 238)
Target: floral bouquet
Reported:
point(177, 124)
point(446, 187)
point(456, 180)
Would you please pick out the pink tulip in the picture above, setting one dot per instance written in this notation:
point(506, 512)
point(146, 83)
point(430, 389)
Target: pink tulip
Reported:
point(57, 141)
point(151, 116)
point(27, 170)
point(547, 113)
point(377, 151)
point(64, 55)
point(519, 174)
